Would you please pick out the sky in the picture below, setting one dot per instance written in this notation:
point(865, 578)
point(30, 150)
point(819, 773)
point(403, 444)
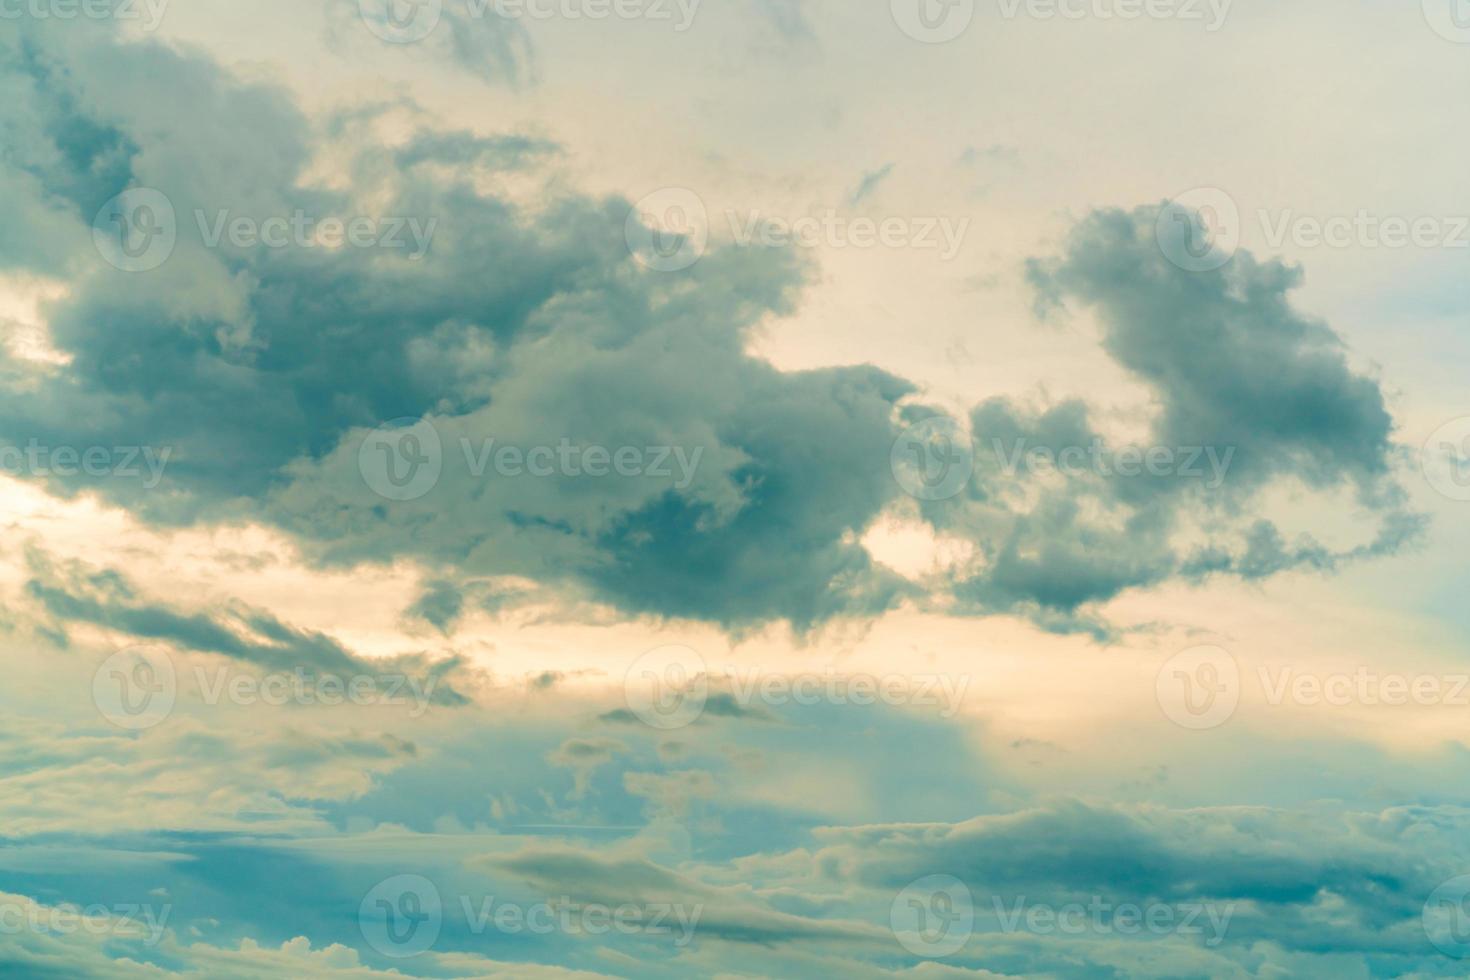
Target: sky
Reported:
point(734, 489)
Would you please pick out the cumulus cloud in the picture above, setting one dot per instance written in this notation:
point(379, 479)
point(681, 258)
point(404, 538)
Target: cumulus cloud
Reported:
point(530, 326)
point(1247, 394)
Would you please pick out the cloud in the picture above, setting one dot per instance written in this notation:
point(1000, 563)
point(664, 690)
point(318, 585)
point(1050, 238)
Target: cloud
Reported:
point(528, 325)
point(584, 756)
point(73, 592)
point(262, 370)
point(870, 183)
point(1305, 880)
point(1248, 393)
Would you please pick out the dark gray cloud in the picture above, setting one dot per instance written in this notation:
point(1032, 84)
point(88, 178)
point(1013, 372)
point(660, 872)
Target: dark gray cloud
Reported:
point(71, 592)
point(1249, 393)
point(1308, 880)
point(262, 370)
